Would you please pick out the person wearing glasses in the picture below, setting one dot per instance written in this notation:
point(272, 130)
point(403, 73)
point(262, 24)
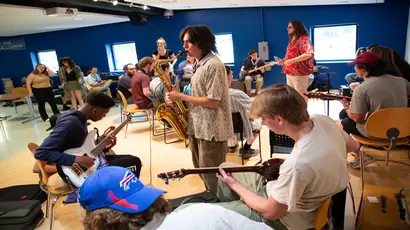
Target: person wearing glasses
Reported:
point(298, 63)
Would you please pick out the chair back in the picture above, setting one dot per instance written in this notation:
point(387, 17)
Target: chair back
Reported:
point(322, 215)
point(43, 175)
point(384, 120)
point(19, 90)
point(237, 122)
point(123, 100)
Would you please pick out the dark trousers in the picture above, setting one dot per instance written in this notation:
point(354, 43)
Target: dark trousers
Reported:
point(126, 161)
point(349, 126)
point(43, 95)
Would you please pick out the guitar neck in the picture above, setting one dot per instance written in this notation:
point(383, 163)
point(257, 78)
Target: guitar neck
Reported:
point(99, 148)
point(329, 96)
point(216, 170)
point(262, 67)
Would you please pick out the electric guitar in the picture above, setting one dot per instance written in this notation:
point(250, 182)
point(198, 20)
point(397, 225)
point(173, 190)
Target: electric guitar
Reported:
point(325, 96)
point(269, 170)
point(76, 173)
point(246, 73)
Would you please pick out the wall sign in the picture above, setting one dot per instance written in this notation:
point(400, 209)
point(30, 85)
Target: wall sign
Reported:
point(13, 44)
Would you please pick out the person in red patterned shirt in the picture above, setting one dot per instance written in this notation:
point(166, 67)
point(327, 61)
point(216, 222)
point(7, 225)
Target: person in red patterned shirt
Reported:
point(298, 63)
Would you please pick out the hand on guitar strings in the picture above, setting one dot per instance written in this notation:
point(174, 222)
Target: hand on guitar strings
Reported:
point(84, 161)
point(226, 178)
point(112, 143)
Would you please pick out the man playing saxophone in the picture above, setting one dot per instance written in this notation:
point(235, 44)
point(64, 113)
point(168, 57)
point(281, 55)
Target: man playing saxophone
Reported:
point(210, 119)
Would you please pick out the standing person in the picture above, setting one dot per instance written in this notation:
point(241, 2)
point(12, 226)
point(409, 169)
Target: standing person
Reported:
point(163, 53)
point(210, 118)
point(140, 84)
point(298, 63)
point(64, 87)
point(74, 77)
point(252, 62)
point(38, 85)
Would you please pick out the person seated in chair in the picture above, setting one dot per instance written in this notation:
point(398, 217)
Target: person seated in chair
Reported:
point(157, 87)
point(240, 102)
point(124, 83)
point(352, 77)
point(380, 90)
point(132, 205)
point(314, 171)
point(94, 82)
point(140, 83)
point(70, 131)
point(252, 62)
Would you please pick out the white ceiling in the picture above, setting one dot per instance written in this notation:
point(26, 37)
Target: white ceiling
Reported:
point(208, 4)
point(19, 20)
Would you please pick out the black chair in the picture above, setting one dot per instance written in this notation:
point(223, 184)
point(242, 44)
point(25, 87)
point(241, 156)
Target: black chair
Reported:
point(238, 128)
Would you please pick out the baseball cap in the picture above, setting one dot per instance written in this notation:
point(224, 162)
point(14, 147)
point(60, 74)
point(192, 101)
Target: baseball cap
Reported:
point(53, 121)
point(117, 188)
point(366, 58)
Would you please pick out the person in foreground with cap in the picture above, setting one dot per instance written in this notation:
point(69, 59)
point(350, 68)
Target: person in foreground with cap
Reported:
point(379, 91)
point(114, 198)
point(70, 131)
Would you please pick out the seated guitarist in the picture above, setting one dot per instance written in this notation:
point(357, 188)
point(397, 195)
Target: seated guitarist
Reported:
point(70, 132)
point(315, 170)
point(252, 62)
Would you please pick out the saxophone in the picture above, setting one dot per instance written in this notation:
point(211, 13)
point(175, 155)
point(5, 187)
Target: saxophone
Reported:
point(176, 114)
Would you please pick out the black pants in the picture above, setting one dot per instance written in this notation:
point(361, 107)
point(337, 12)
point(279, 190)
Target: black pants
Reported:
point(43, 95)
point(349, 126)
point(127, 161)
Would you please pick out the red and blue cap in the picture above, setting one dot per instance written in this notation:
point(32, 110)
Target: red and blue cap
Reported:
point(117, 188)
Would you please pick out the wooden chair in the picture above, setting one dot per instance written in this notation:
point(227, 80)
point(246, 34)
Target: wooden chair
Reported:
point(322, 215)
point(19, 90)
point(390, 127)
point(132, 109)
point(52, 193)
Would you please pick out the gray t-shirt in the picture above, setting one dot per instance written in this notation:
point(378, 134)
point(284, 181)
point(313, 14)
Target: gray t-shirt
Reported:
point(377, 93)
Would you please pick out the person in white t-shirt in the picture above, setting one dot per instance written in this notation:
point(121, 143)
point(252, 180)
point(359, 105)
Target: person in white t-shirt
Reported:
point(315, 170)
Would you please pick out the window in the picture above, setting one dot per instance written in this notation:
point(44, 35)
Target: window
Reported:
point(48, 58)
point(123, 54)
point(224, 44)
point(335, 43)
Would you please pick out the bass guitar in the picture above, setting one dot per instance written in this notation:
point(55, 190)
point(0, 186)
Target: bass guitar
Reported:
point(76, 173)
point(269, 170)
point(246, 73)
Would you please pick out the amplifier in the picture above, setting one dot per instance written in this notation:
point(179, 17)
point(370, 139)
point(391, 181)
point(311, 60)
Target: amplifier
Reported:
point(346, 91)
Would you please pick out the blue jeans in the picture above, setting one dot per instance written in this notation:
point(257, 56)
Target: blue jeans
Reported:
point(352, 77)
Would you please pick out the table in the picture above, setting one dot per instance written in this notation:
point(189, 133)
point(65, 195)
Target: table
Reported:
point(12, 97)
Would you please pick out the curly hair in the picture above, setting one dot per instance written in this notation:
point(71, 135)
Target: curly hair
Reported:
point(110, 219)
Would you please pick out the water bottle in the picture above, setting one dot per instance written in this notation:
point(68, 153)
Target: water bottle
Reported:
point(276, 58)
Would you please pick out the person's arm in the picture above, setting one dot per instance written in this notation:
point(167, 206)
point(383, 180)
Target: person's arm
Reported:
point(351, 145)
point(261, 63)
point(29, 81)
point(358, 107)
point(51, 150)
point(306, 50)
point(78, 74)
point(50, 72)
point(268, 208)
point(201, 101)
point(145, 86)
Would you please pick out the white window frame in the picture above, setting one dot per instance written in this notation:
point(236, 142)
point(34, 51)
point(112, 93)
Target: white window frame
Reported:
point(350, 46)
point(225, 58)
point(53, 66)
point(114, 61)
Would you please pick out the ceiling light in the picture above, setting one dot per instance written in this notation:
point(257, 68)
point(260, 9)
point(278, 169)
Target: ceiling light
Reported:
point(95, 0)
point(115, 2)
point(145, 7)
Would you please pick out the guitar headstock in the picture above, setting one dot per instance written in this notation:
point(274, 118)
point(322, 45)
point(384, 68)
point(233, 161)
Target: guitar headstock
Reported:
point(270, 169)
point(273, 63)
point(177, 174)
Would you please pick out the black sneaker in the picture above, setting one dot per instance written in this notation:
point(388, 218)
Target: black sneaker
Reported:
point(232, 149)
point(65, 108)
point(248, 154)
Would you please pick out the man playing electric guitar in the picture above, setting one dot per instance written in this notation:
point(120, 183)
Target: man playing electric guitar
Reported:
point(70, 132)
point(252, 62)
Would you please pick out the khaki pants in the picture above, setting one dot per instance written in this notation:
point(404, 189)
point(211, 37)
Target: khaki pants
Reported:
point(208, 154)
point(104, 88)
point(230, 200)
point(248, 82)
point(300, 83)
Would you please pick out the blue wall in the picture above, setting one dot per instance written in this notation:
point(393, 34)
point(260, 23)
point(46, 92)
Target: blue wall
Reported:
point(384, 24)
